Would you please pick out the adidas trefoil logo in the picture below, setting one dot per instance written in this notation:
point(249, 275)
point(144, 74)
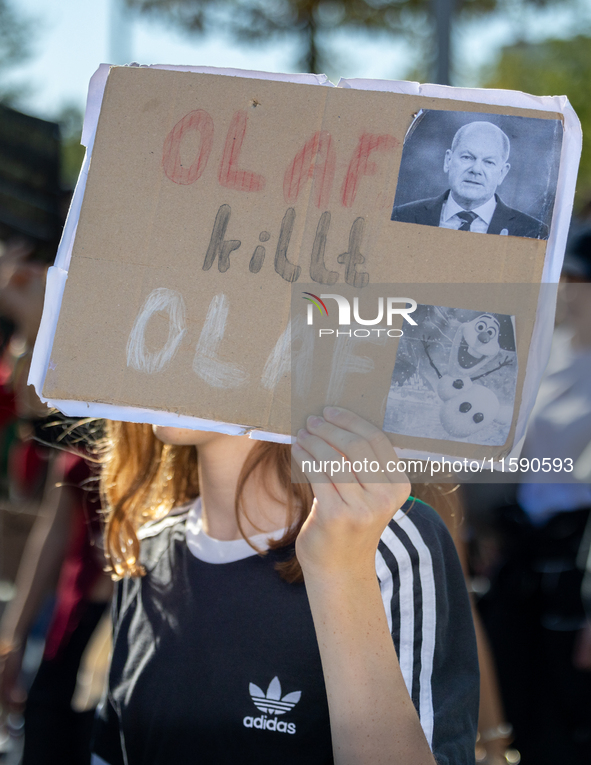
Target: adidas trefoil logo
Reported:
point(271, 703)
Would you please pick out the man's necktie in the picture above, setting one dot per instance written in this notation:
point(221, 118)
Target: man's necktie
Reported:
point(467, 217)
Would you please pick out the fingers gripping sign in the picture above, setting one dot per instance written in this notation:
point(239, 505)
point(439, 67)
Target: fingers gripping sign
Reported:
point(350, 512)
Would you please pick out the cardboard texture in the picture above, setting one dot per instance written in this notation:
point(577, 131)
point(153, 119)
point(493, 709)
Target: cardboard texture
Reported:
point(209, 199)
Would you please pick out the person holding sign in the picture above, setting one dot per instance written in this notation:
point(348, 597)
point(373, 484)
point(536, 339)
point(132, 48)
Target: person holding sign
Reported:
point(476, 165)
point(258, 620)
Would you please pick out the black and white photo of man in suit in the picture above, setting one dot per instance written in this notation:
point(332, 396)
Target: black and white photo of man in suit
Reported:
point(476, 166)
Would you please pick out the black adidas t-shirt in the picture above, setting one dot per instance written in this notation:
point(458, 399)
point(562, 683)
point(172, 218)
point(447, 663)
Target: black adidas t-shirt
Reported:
point(215, 658)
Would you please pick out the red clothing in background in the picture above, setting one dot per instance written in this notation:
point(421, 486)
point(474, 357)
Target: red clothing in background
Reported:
point(83, 563)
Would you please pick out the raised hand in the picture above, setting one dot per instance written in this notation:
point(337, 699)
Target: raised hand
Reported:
point(352, 508)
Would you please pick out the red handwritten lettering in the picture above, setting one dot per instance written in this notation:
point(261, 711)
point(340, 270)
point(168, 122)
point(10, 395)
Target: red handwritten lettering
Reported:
point(230, 176)
point(200, 121)
point(361, 165)
point(316, 159)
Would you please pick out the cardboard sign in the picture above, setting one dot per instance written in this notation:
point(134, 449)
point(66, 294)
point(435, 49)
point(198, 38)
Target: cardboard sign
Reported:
point(208, 200)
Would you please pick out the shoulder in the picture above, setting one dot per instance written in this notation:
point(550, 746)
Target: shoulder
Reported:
point(157, 540)
point(417, 554)
point(162, 526)
point(418, 526)
point(518, 223)
point(157, 536)
point(415, 212)
point(417, 551)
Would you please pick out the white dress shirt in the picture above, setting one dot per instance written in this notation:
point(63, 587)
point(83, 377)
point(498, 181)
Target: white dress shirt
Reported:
point(480, 224)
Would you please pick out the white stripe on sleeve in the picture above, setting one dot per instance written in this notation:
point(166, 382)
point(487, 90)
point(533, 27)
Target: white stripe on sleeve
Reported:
point(429, 623)
point(406, 598)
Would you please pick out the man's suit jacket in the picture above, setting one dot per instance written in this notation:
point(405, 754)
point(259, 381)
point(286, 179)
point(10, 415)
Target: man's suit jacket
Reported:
point(505, 219)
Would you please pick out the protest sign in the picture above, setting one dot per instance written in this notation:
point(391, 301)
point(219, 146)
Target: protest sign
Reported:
point(207, 201)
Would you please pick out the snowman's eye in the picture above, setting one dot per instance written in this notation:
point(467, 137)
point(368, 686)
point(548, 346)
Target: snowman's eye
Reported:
point(459, 384)
point(465, 407)
point(490, 332)
point(480, 326)
point(478, 417)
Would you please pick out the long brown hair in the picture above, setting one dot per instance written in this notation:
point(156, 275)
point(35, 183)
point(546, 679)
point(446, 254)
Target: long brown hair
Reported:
point(142, 479)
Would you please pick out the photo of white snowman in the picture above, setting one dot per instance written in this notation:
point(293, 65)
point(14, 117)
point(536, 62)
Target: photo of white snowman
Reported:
point(454, 377)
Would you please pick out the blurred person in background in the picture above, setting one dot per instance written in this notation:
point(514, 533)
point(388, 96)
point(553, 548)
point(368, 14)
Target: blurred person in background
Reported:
point(63, 552)
point(33, 206)
point(494, 733)
point(534, 612)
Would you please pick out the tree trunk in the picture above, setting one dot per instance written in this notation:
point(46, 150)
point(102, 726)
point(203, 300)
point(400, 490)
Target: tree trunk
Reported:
point(311, 58)
point(443, 11)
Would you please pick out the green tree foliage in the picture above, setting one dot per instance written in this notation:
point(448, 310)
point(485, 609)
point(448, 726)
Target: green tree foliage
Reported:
point(72, 152)
point(553, 67)
point(14, 46)
point(309, 21)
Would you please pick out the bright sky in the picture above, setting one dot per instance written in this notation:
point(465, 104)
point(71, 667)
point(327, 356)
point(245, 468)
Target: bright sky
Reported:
point(71, 37)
